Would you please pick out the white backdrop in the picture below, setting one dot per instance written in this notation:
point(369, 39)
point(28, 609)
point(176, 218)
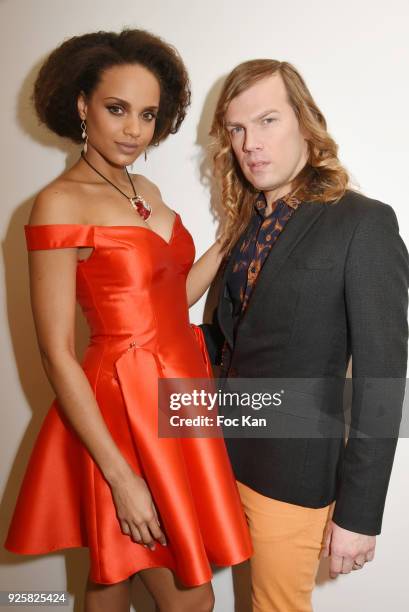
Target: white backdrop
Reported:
point(354, 56)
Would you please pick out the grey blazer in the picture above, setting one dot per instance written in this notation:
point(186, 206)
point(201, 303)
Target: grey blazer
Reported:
point(335, 284)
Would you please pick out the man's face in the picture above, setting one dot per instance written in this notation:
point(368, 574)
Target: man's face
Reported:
point(266, 137)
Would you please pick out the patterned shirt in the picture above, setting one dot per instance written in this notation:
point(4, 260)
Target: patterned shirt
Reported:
point(257, 241)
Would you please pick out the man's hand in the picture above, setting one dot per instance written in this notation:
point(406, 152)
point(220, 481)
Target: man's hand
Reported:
point(348, 550)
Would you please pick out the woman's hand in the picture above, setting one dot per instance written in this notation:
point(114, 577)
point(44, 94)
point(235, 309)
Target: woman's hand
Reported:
point(136, 511)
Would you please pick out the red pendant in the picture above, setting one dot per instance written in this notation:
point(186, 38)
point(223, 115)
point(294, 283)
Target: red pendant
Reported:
point(141, 206)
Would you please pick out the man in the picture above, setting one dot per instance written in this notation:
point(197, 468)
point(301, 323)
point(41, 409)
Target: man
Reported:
point(316, 273)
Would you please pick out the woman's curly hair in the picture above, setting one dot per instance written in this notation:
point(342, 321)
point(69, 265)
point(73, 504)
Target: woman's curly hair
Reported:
point(78, 63)
point(323, 178)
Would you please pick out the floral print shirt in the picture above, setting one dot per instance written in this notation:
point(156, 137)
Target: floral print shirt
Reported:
point(256, 243)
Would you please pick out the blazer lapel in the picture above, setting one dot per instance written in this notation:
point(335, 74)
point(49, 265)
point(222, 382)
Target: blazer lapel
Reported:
point(298, 226)
point(295, 230)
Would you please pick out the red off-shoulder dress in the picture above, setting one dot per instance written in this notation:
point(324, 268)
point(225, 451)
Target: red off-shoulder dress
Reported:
point(132, 290)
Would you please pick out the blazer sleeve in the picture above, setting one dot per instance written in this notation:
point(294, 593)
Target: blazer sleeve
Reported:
point(214, 340)
point(376, 298)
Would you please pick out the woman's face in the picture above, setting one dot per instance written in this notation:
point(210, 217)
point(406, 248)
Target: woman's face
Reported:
point(121, 113)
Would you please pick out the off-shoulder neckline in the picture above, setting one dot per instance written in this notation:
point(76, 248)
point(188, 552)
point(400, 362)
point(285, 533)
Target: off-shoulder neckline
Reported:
point(91, 225)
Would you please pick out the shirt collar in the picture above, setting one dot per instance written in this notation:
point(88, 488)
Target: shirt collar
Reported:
point(261, 203)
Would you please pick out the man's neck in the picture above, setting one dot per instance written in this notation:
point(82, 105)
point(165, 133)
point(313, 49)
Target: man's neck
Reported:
point(274, 195)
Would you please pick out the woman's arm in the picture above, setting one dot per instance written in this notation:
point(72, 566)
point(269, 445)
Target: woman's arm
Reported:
point(203, 272)
point(53, 297)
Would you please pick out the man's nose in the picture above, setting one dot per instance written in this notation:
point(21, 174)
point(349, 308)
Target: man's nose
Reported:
point(251, 141)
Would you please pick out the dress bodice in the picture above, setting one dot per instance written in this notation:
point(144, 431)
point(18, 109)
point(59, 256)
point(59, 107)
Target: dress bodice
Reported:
point(133, 285)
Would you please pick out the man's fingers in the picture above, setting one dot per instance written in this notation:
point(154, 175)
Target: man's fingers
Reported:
point(359, 562)
point(325, 550)
point(370, 555)
point(335, 566)
point(347, 564)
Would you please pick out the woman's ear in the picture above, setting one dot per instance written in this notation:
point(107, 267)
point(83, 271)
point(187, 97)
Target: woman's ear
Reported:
point(82, 105)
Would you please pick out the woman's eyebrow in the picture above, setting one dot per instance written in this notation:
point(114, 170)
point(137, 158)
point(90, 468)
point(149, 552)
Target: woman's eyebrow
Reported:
point(124, 102)
point(127, 104)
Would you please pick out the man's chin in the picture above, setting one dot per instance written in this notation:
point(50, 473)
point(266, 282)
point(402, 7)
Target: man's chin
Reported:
point(263, 186)
point(262, 182)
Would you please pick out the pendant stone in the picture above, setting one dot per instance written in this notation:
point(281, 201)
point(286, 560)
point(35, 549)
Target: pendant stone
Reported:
point(139, 204)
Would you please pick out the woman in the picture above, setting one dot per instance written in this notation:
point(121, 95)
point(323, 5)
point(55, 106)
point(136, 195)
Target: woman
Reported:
point(99, 475)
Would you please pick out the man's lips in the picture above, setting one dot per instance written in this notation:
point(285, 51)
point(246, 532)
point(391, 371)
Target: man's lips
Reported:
point(257, 165)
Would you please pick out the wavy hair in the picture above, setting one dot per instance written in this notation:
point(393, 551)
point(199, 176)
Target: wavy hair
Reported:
point(323, 178)
point(78, 64)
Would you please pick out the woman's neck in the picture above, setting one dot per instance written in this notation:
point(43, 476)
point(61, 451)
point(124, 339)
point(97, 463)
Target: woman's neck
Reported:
point(115, 174)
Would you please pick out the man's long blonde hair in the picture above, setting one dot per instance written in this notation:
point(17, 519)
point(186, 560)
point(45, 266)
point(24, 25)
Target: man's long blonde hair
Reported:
point(323, 178)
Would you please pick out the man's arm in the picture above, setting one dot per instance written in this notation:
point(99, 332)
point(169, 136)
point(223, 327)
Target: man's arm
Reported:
point(376, 293)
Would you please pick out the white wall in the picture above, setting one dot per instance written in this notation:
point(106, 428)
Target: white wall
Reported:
point(354, 56)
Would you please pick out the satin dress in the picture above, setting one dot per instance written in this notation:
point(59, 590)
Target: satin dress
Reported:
point(132, 290)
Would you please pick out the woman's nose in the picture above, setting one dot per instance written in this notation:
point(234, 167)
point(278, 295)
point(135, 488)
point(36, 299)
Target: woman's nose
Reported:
point(133, 127)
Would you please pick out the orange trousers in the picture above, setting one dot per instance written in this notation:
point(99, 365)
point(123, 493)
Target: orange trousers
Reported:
point(287, 541)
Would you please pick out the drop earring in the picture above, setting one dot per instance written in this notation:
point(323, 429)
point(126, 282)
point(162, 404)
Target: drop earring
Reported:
point(84, 135)
point(145, 155)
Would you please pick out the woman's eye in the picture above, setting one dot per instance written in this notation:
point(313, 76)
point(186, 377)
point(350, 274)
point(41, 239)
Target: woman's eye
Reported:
point(269, 120)
point(149, 116)
point(114, 110)
point(235, 130)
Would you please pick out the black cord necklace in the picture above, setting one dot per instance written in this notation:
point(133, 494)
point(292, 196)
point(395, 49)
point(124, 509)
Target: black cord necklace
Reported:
point(137, 202)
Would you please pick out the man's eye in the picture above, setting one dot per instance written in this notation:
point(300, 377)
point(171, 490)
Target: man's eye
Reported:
point(114, 110)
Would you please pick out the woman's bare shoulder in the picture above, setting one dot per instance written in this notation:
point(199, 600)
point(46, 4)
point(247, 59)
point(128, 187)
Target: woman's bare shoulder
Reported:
point(57, 202)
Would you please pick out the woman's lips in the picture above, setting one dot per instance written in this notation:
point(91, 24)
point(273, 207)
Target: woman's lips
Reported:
point(126, 148)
